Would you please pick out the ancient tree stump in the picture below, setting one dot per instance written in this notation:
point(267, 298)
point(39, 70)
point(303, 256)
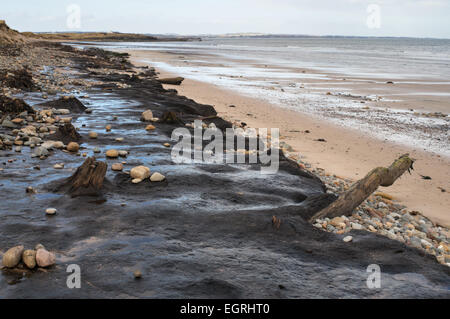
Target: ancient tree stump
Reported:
point(172, 81)
point(88, 179)
point(66, 134)
point(362, 189)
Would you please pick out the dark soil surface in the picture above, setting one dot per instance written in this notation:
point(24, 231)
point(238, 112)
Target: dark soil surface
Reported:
point(208, 231)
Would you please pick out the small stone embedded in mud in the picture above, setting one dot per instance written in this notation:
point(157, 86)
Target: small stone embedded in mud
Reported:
point(157, 177)
point(29, 258)
point(137, 274)
point(140, 172)
point(147, 116)
point(45, 258)
point(51, 211)
point(150, 127)
point(117, 167)
point(12, 257)
point(348, 239)
point(73, 147)
point(93, 135)
point(112, 154)
point(108, 128)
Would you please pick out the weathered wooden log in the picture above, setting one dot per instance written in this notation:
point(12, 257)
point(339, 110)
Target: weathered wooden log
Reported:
point(88, 179)
point(362, 189)
point(172, 81)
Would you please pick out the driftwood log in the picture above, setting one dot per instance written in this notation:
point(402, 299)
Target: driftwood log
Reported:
point(88, 179)
point(362, 189)
point(172, 81)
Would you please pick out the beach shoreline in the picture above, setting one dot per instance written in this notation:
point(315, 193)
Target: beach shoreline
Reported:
point(346, 153)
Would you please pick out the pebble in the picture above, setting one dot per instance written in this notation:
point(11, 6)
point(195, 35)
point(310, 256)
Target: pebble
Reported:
point(157, 177)
point(150, 128)
point(137, 274)
point(93, 135)
point(58, 166)
point(73, 147)
point(140, 172)
point(348, 239)
point(51, 211)
point(147, 116)
point(12, 257)
point(136, 181)
point(29, 258)
point(45, 258)
point(112, 154)
point(108, 128)
point(123, 153)
point(117, 167)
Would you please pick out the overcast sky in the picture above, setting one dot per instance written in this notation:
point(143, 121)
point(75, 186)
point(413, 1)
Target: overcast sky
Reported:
point(417, 18)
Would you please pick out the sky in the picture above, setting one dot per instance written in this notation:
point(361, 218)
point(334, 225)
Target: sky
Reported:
point(414, 18)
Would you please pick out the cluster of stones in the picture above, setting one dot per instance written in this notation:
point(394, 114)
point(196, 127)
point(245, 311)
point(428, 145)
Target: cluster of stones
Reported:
point(31, 258)
point(30, 130)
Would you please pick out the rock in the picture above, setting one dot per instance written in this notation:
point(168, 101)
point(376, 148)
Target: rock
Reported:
point(8, 124)
point(61, 112)
point(73, 147)
point(29, 258)
point(120, 139)
point(40, 151)
point(147, 116)
point(166, 144)
point(30, 190)
point(140, 172)
point(150, 127)
point(93, 135)
point(13, 256)
point(123, 153)
point(348, 239)
point(337, 221)
point(17, 121)
point(136, 181)
point(51, 211)
point(157, 177)
point(39, 246)
point(117, 167)
point(58, 145)
point(97, 150)
point(108, 128)
point(112, 154)
point(45, 258)
point(58, 166)
point(426, 244)
point(137, 274)
point(356, 226)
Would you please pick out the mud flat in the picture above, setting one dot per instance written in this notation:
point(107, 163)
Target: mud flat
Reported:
point(207, 231)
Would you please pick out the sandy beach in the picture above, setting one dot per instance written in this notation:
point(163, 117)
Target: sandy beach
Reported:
point(346, 152)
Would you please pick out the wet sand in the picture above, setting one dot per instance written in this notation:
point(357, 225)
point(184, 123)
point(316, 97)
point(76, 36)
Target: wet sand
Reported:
point(347, 153)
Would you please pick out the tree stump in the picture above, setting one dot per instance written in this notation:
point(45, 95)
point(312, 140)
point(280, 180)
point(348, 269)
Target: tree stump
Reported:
point(66, 134)
point(362, 189)
point(88, 179)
